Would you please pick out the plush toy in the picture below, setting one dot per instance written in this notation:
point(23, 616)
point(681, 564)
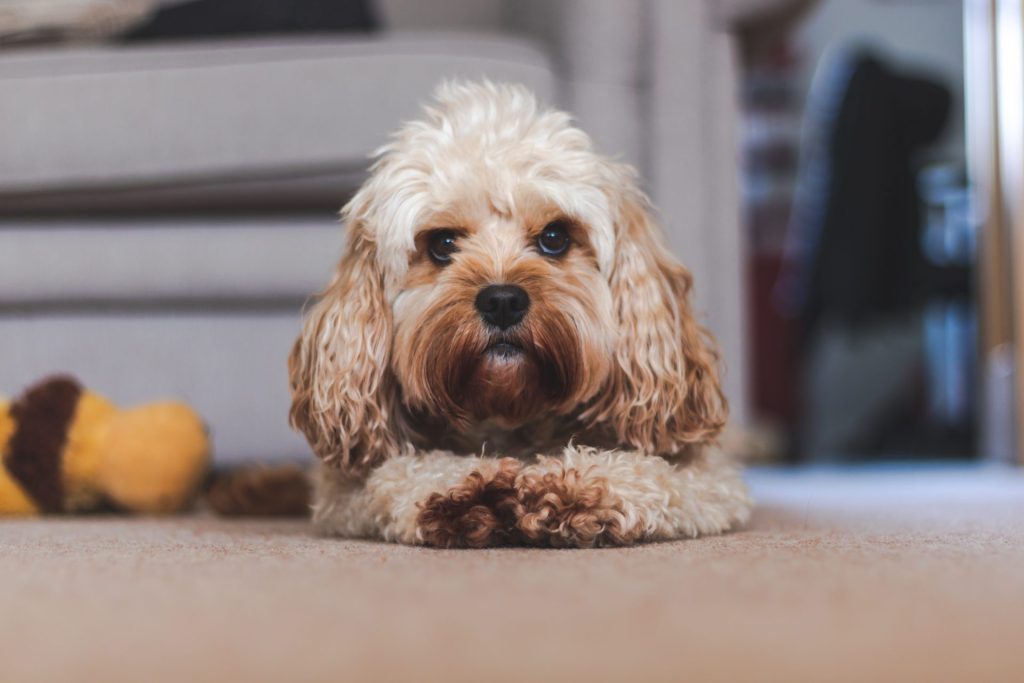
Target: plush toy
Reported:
point(68, 450)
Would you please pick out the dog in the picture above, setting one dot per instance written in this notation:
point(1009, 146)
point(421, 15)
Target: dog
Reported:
point(506, 353)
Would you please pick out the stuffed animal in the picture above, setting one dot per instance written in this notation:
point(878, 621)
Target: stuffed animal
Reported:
point(69, 450)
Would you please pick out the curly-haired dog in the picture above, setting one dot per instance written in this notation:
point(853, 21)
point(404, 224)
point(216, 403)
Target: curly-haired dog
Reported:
point(506, 353)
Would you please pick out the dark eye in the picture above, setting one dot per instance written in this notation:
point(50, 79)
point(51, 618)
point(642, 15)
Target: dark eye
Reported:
point(554, 240)
point(441, 246)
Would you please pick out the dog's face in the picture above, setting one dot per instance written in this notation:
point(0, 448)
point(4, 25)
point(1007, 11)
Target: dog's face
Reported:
point(503, 313)
point(498, 269)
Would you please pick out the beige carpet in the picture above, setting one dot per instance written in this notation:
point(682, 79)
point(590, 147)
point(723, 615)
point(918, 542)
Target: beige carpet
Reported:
point(899, 576)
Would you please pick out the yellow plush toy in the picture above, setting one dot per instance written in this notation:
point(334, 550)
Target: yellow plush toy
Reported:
point(68, 450)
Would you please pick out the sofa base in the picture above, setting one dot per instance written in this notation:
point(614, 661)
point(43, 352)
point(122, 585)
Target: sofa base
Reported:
point(230, 364)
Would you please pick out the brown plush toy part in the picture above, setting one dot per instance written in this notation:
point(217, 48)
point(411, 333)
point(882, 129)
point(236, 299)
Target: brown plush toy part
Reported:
point(66, 449)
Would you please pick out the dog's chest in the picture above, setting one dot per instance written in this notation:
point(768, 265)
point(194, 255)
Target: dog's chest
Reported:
point(495, 439)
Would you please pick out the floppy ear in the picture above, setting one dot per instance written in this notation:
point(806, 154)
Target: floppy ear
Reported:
point(663, 394)
point(342, 390)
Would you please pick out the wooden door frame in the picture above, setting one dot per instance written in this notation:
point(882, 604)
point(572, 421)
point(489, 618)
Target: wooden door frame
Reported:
point(994, 104)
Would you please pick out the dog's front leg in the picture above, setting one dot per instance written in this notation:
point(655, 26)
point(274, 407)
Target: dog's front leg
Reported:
point(434, 498)
point(583, 498)
point(588, 497)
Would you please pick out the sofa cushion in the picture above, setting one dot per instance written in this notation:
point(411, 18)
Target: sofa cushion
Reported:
point(227, 259)
point(24, 21)
point(83, 119)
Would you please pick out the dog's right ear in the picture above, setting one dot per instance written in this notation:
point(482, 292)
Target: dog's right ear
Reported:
point(342, 389)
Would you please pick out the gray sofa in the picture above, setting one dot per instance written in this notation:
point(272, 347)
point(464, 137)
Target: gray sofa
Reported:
point(165, 210)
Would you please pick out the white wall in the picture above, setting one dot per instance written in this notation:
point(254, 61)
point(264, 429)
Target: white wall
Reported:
point(925, 34)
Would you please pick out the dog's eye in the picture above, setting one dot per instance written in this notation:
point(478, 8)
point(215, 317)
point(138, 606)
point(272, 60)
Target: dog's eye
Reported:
point(554, 240)
point(441, 246)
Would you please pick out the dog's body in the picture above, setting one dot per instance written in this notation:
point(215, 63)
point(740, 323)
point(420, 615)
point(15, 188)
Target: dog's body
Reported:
point(506, 353)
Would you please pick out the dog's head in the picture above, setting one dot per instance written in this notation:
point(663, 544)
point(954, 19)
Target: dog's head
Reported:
point(497, 268)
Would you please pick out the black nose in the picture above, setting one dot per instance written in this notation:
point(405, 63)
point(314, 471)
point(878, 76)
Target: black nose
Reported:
point(502, 305)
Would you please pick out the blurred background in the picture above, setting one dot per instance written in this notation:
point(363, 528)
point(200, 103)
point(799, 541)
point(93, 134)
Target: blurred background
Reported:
point(171, 171)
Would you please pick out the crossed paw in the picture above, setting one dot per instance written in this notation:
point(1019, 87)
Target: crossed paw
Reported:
point(540, 504)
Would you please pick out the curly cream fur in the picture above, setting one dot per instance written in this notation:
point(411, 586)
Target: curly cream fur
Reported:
point(341, 387)
point(641, 498)
point(663, 395)
point(395, 378)
point(386, 504)
point(584, 497)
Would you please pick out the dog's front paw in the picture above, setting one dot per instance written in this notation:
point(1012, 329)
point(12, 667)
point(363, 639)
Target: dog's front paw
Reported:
point(480, 512)
point(568, 507)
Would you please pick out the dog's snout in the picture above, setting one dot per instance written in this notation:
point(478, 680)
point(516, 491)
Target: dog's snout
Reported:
point(502, 305)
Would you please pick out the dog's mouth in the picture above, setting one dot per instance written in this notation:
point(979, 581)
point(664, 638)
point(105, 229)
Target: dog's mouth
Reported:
point(504, 349)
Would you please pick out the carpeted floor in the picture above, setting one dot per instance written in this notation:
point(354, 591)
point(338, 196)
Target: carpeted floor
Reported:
point(899, 575)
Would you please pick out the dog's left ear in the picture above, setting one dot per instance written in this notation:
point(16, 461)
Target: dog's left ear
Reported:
point(664, 393)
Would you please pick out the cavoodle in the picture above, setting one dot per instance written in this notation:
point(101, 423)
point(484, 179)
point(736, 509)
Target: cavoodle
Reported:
point(506, 353)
